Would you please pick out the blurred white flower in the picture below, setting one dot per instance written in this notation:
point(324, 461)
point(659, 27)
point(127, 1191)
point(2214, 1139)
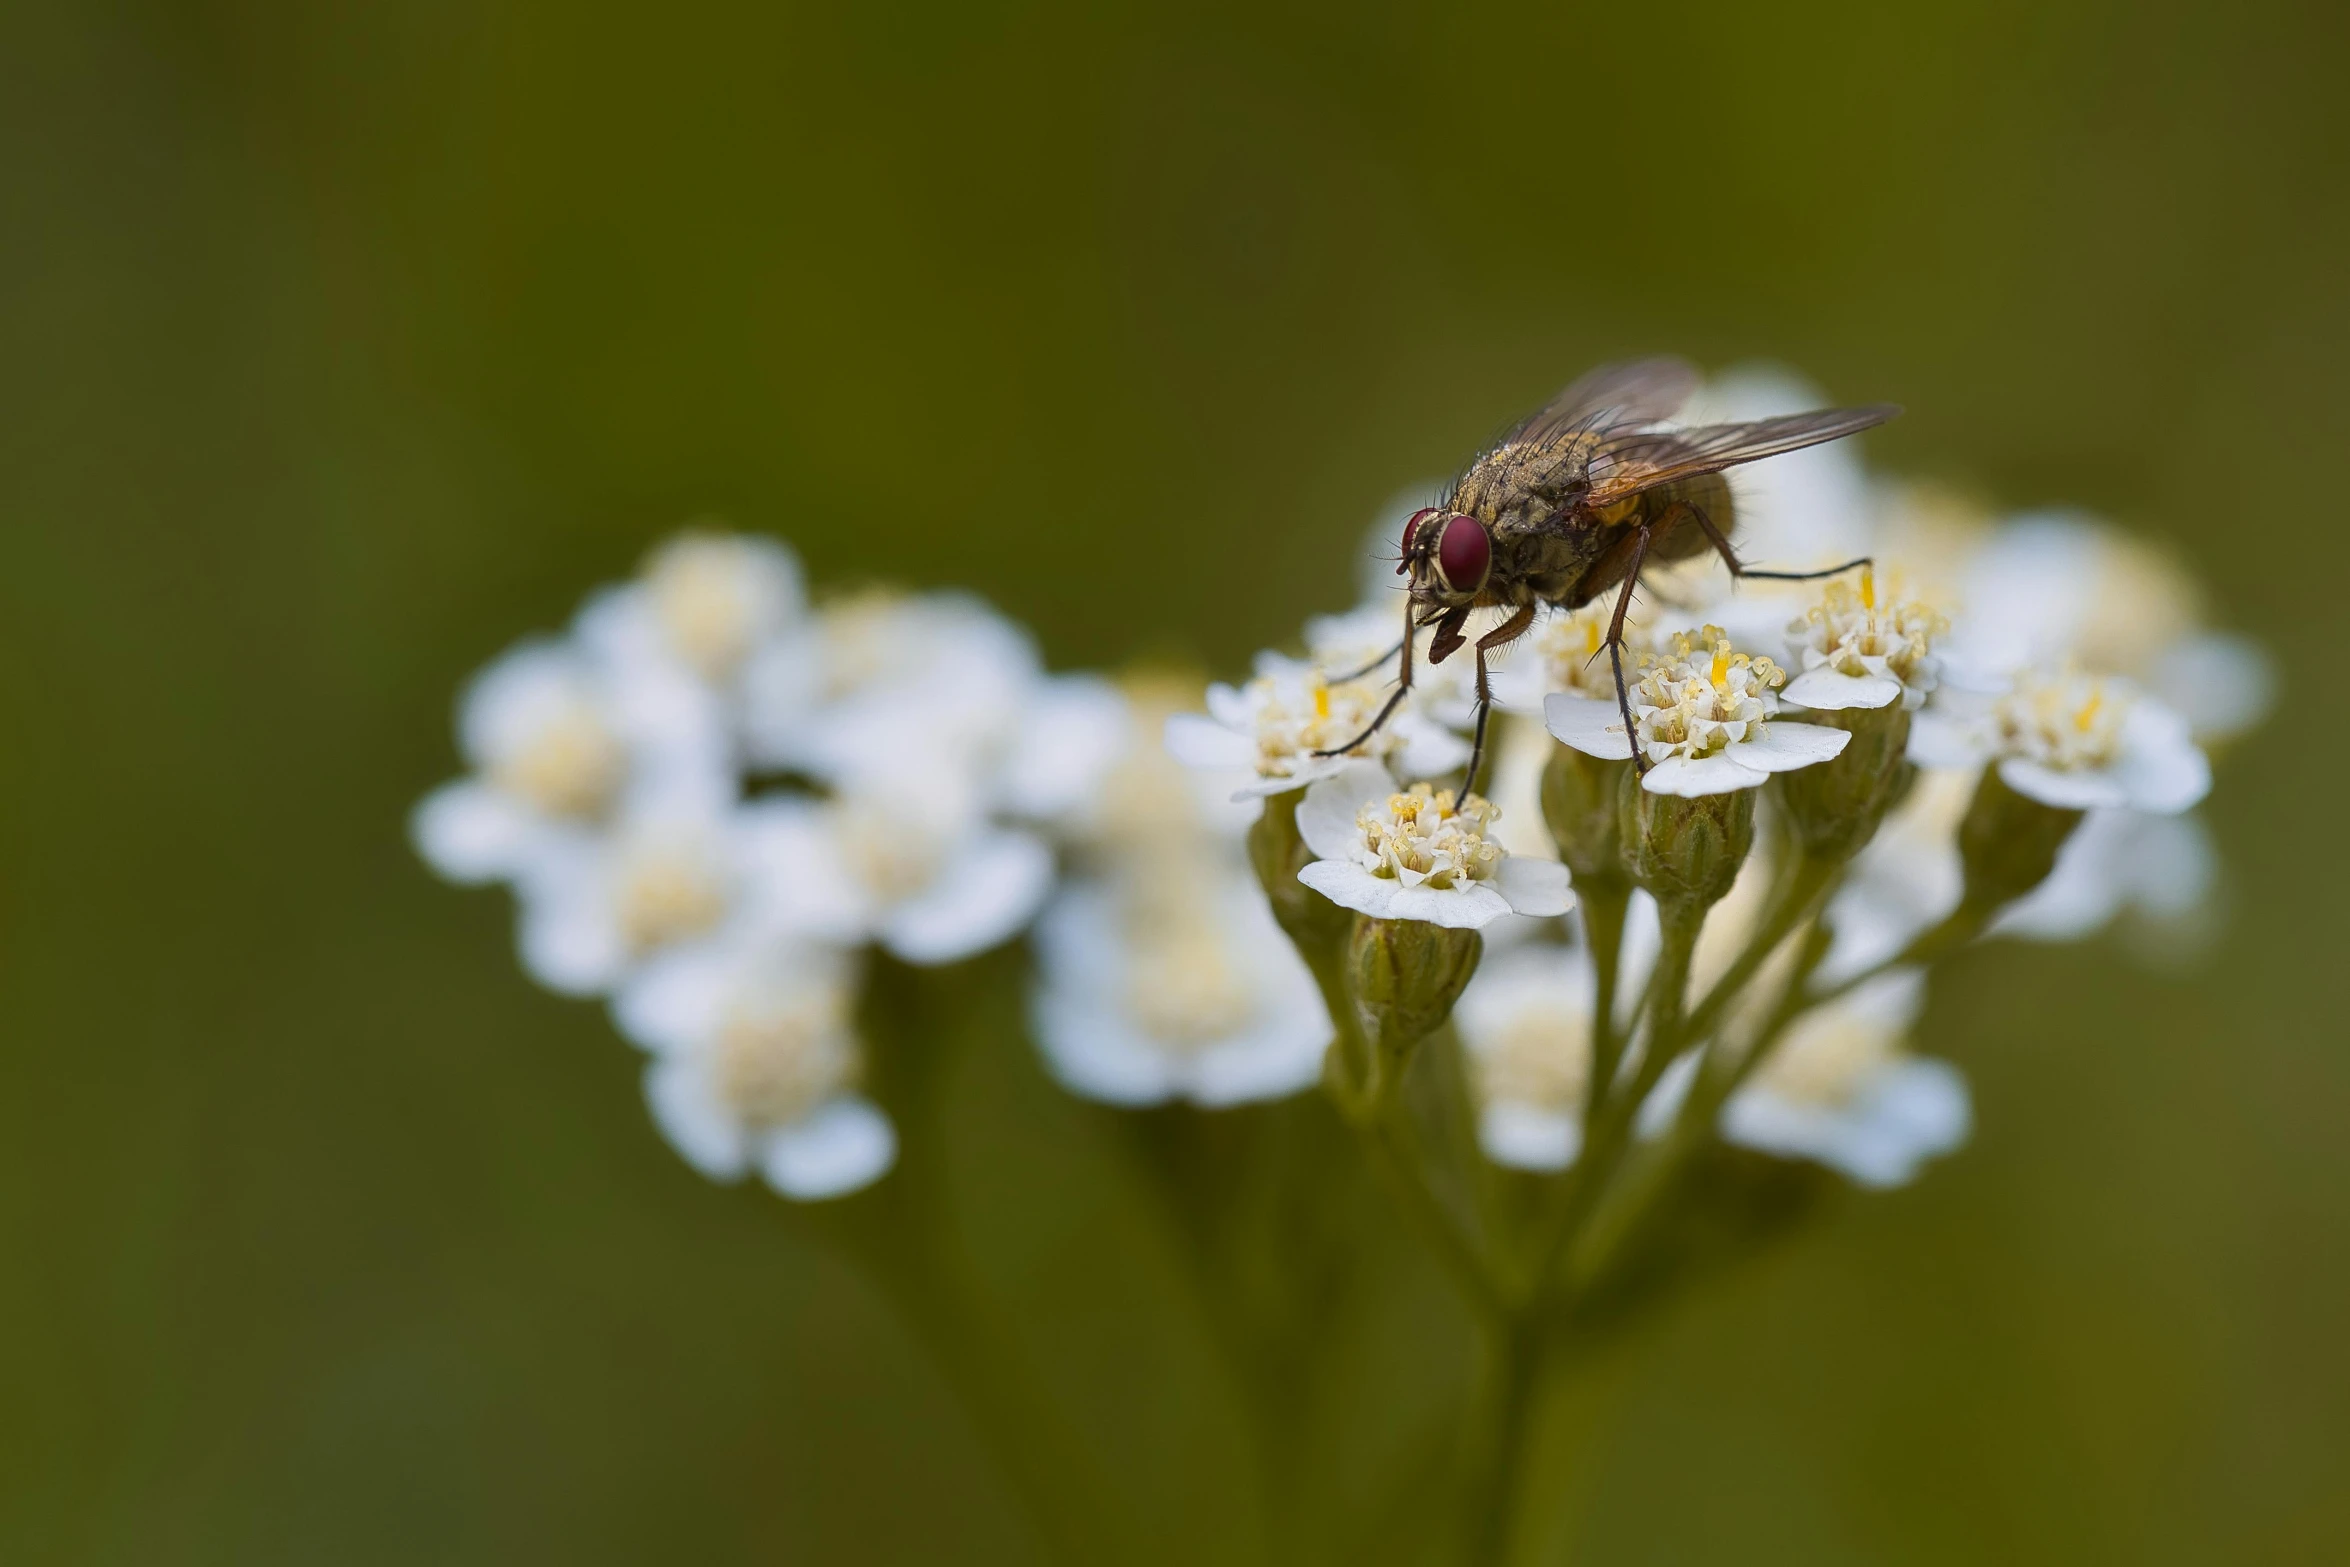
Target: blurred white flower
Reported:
point(1840, 1090)
point(1418, 855)
point(1525, 1021)
point(2074, 741)
point(1160, 972)
point(1855, 652)
point(2164, 869)
point(1165, 981)
point(914, 864)
point(1276, 724)
point(756, 1065)
point(1705, 722)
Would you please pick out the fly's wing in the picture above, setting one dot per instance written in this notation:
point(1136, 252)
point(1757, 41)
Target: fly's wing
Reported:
point(1637, 394)
point(1629, 461)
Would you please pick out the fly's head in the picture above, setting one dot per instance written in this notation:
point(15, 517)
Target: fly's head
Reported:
point(1448, 556)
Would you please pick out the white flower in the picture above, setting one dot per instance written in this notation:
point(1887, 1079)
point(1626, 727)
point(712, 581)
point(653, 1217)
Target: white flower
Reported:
point(914, 863)
point(1171, 981)
point(1839, 1090)
point(1705, 723)
point(2162, 868)
point(1160, 972)
point(1856, 652)
point(843, 694)
point(678, 868)
point(711, 598)
point(1525, 1020)
point(1276, 723)
point(542, 729)
point(1418, 855)
point(755, 1066)
point(2077, 742)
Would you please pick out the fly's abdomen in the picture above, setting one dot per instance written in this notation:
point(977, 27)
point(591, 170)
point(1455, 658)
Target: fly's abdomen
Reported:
point(1680, 537)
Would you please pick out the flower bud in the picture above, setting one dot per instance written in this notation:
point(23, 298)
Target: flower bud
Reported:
point(1835, 807)
point(1683, 849)
point(1404, 976)
point(2008, 842)
point(1579, 806)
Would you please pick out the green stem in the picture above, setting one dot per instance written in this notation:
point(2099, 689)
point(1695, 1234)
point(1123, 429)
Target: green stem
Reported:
point(1681, 920)
point(1801, 888)
point(1603, 905)
point(1503, 1412)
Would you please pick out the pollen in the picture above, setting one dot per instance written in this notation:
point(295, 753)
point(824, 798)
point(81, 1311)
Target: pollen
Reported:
point(1427, 837)
point(1693, 707)
point(2070, 722)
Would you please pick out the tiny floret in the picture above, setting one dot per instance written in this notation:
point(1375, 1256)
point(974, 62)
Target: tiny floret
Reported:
point(1421, 854)
point(1704, 721)
point(1279, 723)
point(1856, 650)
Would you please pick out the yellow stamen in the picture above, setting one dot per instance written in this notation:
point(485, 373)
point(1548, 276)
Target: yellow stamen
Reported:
point(1721, 662)
point(1591, 638)
point(2088, 713)
point(1321, 700)
point(1868, 587)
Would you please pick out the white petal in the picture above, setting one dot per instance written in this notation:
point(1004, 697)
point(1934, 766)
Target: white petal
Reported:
point(1829, 690)
point(2160, 765)
point(1939, 738)
point(1594, 727)
point(2082, 790)
point(992, 887)
point(1528, 1137)
point(1074, 732)
point(674, 1002)
point(1232, 709)
point(472, 833)
point(1690, 777)
point(708, 1138)
point(1784, 746)
point(844, 1145)
point(1198, 741)
point(1534, 886)
point(1456, 908)
point(1350, 886)
point(1326, 817)
point(2220, 683)
point(569, 939)
point(1093, 1049)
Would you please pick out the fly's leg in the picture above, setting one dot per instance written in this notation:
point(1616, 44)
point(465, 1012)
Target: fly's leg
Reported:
point(1729, 556)
point(1500, 636)
point(1615, 646)
point(1358, 674)
point(1403, 686)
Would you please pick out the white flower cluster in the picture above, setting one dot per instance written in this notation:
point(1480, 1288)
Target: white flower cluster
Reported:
point(2050, 647)
point(709, 795)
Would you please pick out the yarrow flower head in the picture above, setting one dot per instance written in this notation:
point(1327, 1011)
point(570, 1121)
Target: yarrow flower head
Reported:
point(1704, 716)
point(1160, 971)
point(2074, 741)
point(1279, 723)
point(1418, 854)
point(1842, 1091)
point(756, 1066)
point(1856, 651)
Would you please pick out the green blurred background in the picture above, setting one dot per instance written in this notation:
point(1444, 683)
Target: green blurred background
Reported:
point(339, 345)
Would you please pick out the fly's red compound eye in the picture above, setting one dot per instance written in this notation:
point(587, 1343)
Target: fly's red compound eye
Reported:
point(1411, 529)
point(1463, 554)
